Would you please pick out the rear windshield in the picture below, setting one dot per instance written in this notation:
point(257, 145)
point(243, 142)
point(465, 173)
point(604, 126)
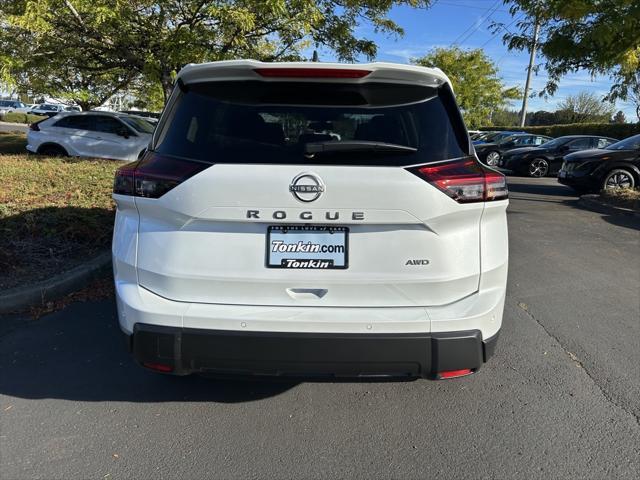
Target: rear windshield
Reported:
point(138, 124)
point(274, 122)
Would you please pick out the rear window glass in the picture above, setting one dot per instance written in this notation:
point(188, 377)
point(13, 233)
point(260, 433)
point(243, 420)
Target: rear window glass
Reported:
point(274, 122)
point(138, 124)
point(80, 122)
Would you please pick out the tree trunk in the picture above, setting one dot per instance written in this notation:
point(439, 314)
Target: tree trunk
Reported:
point(85, 106)
point(167, 84)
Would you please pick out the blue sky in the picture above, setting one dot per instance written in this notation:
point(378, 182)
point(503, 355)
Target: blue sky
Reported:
point(446, 22)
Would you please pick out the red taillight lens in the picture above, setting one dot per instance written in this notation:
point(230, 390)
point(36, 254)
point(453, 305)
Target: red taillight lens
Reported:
point(154, 175)
point(465, 180)
point(455, 373)
point(158, 367)
point(123, 182)
point(34, 127)
point(312, 72)
point(495, 185)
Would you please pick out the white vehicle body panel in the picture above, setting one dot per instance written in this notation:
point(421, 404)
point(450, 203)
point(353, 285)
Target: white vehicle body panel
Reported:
point(406, 219)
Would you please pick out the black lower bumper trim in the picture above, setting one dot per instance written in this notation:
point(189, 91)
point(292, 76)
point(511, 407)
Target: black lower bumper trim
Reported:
point(187, 350)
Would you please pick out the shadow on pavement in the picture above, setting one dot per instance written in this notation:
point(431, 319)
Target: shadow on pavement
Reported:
point(540, 189)
point(620, 220)
point(78, 354)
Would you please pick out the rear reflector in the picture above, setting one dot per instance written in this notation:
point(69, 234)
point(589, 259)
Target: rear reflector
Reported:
point(154, 175)
point(455, 373)
point(158, 367)
point(465, 180)
point(312, 72)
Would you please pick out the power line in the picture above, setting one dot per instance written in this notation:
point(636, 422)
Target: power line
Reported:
point(464, 36)
point(462, 5)
point(505, 28)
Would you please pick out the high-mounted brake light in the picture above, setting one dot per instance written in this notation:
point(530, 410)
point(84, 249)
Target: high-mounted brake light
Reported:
point(154, 175)
point(465, 180)
point(312, 72)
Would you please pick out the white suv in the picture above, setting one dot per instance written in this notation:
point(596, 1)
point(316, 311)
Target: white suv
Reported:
point(91, 134)
point(310, 219)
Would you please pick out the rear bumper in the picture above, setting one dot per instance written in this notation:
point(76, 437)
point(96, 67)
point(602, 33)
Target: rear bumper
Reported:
point(182, 351)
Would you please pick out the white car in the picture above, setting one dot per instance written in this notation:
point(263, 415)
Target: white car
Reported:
point(91, 134)
point(250, 240)
point(52, 109)
point(10, 106)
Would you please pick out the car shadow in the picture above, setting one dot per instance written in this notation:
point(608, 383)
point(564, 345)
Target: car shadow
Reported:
point(78, 353)
point(624, 220)
point(540, 189)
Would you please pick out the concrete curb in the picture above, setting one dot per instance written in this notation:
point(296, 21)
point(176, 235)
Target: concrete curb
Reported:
point(593, 202)
point(39, 294)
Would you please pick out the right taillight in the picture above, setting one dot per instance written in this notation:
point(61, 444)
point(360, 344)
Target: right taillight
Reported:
point(465, 180)
point(154, 175)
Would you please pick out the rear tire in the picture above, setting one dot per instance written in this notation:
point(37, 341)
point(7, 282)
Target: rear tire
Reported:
point(53, 151)
point(538, 168)
point(618, 179)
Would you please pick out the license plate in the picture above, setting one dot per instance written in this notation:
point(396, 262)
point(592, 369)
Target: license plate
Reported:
point(307, 247)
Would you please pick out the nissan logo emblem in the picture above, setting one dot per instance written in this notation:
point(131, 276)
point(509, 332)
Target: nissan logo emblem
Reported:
point(307, 187)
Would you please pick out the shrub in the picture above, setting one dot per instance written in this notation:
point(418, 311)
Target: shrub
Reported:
point(16, 117)
point(614, 130)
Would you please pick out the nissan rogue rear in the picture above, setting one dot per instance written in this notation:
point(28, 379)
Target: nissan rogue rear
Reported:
point(310, 219)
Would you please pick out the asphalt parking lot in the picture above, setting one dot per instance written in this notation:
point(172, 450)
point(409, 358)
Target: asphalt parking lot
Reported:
point(561, 398)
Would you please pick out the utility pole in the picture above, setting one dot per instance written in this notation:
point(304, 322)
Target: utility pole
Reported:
point(532, 58)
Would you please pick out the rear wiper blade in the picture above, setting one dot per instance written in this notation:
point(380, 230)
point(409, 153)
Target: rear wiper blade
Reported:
point(356, 146)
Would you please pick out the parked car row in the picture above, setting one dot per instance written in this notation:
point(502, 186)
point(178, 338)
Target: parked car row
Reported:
point(584, 162)
point(546, 158)
point(44, 109)
point(491, 152)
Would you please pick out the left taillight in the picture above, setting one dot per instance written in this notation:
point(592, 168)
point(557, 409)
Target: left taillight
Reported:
point(465, 180)
point(154, 175)
point(35, 127)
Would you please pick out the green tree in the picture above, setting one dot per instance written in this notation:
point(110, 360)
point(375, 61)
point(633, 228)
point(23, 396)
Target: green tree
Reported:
point(619, 117)
point(478, 89)
point(584, 107)
point(505, 117)
point(105, 44)
point(542, 117)
point(599, 36)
